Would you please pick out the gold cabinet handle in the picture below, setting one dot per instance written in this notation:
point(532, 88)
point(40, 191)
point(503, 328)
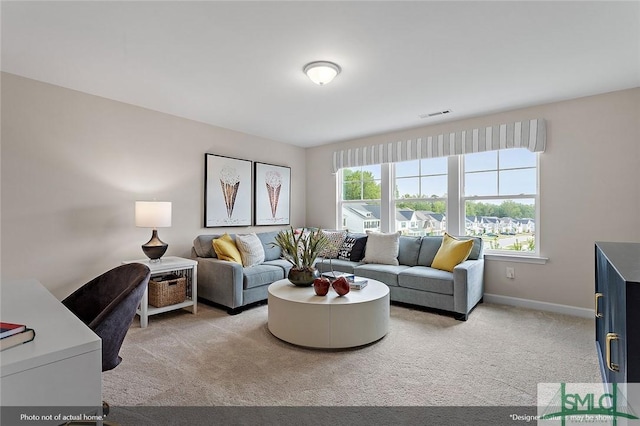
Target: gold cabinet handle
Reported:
point(611, 366)
point(598, 314)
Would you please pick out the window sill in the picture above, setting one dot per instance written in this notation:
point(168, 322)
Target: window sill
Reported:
point(516, 258)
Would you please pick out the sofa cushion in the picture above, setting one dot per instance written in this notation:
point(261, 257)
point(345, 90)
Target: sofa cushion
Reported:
point(335, 239)
point(338, 265)
point(270, 252)
point(427, 279)
point(251, 250)
point(281, 263)
point(260, 275)
point(387, 274)
point(409, 249)
point(226, 249)
point(477, 249)
point(382, 248)
point(451, 253)
point(428, 248)
point(203, 246)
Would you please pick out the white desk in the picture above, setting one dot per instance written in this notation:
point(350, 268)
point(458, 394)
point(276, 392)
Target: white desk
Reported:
point(62, 366)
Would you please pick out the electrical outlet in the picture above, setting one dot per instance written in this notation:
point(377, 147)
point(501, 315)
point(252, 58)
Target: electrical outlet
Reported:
point(511, 272)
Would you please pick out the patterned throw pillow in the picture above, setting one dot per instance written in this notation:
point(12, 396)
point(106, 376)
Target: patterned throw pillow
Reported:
point(251, 250)
point(347, 246)
point(353, 247)
point(335, 243)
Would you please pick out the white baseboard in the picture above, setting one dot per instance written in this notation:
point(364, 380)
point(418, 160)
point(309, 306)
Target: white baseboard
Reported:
point(541, 306)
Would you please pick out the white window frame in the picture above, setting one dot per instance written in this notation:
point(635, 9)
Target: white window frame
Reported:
point(395, 201)
point(498, 253)
point(341, 202)
point(455, 211)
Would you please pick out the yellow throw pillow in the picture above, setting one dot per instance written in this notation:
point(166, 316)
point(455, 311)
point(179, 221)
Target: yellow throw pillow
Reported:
point(451, 253)
point(226, 249)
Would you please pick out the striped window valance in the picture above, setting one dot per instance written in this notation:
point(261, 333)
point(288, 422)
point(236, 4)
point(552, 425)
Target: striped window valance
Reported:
point(530, 134)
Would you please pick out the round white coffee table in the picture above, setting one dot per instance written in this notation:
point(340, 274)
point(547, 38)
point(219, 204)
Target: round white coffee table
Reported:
point(297, 315)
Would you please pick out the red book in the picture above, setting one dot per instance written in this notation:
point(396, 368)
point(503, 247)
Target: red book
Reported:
point(7, 329)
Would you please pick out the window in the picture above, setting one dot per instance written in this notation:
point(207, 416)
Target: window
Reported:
point(420, 196)
point(499, 196)
point(490, 194)
point(360, 196)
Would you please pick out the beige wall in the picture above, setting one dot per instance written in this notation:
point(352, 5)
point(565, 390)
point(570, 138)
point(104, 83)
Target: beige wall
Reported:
point(589, 190)
point(74, 164)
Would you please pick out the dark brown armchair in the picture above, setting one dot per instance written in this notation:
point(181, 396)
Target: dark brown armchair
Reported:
point(107, 304)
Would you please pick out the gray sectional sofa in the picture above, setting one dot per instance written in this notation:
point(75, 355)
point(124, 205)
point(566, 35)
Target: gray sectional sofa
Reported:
point(412, 282)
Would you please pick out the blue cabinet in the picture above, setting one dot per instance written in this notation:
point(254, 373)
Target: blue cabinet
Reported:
point(617, 309)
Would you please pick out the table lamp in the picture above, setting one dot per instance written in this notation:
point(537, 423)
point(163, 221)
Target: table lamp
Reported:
point(153, 214)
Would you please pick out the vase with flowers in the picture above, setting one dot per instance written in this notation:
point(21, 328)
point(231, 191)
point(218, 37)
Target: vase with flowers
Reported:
point(301, 248)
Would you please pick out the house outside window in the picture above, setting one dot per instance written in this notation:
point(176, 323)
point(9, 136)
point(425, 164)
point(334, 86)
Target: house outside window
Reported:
point(359, 198)
point(500, 196)
point(420, 196)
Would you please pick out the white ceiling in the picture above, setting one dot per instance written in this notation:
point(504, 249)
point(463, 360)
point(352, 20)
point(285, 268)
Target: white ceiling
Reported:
point(239, 65)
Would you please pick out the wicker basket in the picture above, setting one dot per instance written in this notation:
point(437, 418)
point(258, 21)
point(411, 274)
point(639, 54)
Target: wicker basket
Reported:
point(167, 290)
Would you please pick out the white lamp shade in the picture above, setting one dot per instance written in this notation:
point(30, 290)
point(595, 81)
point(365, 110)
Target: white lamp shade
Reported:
point(153, 214)
point(321, 72)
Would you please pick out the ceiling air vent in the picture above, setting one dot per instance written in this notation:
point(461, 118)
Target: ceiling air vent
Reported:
point(434, 114)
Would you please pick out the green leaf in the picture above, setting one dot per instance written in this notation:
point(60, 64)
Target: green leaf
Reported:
point(301, 250)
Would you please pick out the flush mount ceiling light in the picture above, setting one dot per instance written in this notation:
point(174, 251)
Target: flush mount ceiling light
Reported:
point(321, 72)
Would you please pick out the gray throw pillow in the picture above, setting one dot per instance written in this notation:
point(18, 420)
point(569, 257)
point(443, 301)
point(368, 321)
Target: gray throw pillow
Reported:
point(251, 250)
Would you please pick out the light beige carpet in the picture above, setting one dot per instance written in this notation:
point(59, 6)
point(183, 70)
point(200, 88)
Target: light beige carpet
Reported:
point(496, 358)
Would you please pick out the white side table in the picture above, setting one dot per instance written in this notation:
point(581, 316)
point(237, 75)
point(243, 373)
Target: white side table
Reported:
point(180, 266)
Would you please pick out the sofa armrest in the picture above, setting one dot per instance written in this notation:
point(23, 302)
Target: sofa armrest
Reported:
point(220, 281)
point(468, 285)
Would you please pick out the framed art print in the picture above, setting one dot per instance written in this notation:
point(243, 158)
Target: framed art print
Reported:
point(272, 194)
point(228, 191)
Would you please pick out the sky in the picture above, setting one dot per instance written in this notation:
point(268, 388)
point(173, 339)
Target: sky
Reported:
point(506, 172)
